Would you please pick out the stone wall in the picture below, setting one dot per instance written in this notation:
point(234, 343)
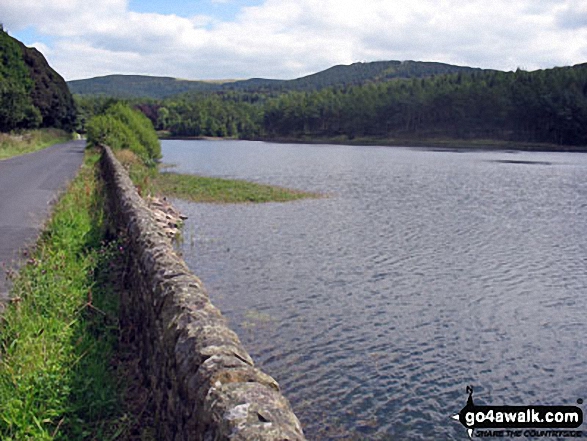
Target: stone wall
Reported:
point(203, 382)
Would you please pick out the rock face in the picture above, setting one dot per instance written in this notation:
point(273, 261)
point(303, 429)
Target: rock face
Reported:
point(204, 384)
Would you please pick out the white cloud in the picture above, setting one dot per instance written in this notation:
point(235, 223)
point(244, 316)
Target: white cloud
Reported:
point(573, 16)
point(92, 61)
point(62, 18)
point(290, 38)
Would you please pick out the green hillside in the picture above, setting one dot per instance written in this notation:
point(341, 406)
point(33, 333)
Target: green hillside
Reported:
point(137, 86)
point(32, 94)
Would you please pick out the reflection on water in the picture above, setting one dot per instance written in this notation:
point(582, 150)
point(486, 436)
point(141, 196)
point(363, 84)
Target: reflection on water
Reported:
point(423, 272)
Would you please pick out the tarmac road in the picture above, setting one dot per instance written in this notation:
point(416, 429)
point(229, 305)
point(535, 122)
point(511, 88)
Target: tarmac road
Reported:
point(29, 184)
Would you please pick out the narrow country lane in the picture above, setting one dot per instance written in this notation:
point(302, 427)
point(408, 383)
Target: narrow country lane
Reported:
point(28, 186)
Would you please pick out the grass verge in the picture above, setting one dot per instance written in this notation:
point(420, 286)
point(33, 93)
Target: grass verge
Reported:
point(203, 189)
point(15, 144)
point(59, 335)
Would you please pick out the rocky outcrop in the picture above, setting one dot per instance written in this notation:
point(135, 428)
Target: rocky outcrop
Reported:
point(204, 384)
point(166, 215)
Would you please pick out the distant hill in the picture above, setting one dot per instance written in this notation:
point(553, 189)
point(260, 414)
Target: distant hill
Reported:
point(343, 75)
point(32, 94)
point(132, 86)
point(355, 74)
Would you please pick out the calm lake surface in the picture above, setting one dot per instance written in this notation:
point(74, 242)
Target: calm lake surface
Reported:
point(423, 272)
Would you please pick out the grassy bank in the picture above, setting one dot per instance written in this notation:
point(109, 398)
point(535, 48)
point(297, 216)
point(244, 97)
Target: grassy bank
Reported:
point(203, 189)
point(15, 144)
point(59, 336)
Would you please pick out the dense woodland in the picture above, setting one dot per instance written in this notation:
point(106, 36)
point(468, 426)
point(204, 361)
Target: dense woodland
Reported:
point(542, 106)
point(547, 106)
point(32, 94)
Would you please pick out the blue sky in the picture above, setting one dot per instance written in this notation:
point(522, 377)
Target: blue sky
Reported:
point(183, 8)
point(224, 10)
point(29, 36)
point(227, 39)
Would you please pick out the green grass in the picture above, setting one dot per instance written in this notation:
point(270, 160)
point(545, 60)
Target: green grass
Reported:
point(59, 335)
point(15, 144)
point(204, 189)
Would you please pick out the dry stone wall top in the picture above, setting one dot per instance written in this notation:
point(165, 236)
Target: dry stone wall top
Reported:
point(204, 384)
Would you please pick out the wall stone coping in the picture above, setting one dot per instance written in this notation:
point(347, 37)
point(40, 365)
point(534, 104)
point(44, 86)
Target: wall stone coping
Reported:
point(204, 384)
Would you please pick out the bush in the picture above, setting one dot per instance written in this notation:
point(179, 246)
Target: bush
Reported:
point(121, 127)
point(140, 125)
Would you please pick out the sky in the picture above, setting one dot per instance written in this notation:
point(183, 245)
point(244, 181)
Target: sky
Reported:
point(286, 39)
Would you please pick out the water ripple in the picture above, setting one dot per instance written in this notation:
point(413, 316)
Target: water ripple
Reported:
point(425, 272)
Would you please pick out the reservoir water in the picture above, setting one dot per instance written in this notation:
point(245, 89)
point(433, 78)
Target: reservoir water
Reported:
point(422, 271)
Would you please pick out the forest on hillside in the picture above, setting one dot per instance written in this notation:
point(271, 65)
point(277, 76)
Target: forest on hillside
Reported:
point(545, 106)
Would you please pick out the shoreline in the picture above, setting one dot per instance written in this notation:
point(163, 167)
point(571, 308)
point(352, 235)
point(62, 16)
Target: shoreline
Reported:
point(195, 138)
point(448, 144)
